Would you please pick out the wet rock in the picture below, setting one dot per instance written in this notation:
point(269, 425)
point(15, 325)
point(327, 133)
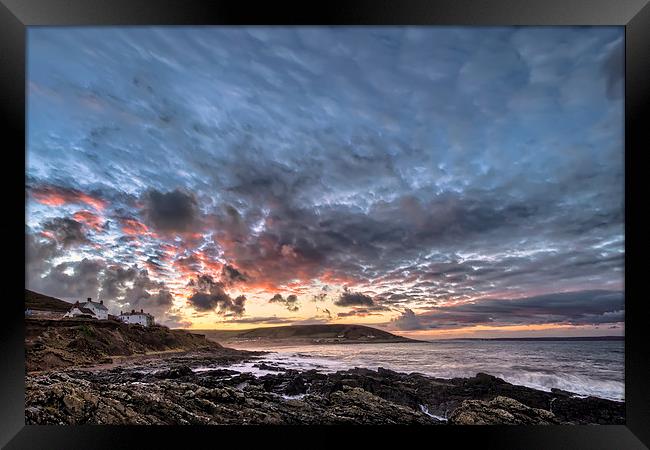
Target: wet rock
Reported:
point(175, 372)
point(268, 367)
point(590, 410)
point(169, 391)
point(500, 411)
point(355, 405)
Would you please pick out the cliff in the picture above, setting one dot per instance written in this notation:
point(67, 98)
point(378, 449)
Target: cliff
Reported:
point(51, 344)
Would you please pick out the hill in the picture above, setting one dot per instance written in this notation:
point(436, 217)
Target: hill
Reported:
point(308, 334)
point(41, 302)
point(52, 344)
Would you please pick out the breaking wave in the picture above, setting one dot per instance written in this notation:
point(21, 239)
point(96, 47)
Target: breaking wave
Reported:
point(583, 368)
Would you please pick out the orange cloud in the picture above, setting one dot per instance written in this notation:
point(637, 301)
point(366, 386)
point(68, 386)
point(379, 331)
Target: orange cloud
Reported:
point(486, 330)
point(95, 202)
point(89, 219)
point(263, 286)
point(58, 196)
point(48, 234)
point(133, 227)
point(330, 277)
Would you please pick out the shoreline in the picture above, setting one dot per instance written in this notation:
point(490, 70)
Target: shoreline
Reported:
point(253, 356)
point(326, 358)
point(167, 388)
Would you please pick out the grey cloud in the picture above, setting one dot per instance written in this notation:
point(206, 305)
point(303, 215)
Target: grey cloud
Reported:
point(575, 308)
point(230, 275)
point(363, 312)
point(73, 280)
point(211, 295)
point(67, 232)
point(171, 211)
point(408, 320)
point(174, 321)
point(114, 281)
point(507, 175)
point(290, 301)
point(39, 253)
point(148, 294)
point(349, 298)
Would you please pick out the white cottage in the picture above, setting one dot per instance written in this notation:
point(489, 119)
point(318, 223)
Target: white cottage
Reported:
point(139, 318)
point(94, 310)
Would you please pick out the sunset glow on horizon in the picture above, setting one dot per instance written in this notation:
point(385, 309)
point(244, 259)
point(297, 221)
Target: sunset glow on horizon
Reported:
point(433, 182)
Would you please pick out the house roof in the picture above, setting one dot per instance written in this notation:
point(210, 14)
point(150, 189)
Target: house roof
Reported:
point(95, 304)
point(83, 310)
point(136, 314)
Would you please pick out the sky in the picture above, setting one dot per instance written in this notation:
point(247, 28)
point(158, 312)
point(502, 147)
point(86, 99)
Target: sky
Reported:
point(430, 181)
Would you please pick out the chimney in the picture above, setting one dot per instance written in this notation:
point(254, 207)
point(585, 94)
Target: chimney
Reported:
point(101, 302)
point(133, 311)
point(142, 310)
point(89, 299)
point(120, 313)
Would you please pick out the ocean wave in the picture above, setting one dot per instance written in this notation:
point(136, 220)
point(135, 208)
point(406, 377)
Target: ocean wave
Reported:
point(596, 370)
point(425, 410)
point(581, 385)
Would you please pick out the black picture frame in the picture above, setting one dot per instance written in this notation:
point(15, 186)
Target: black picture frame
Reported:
point(16, 15)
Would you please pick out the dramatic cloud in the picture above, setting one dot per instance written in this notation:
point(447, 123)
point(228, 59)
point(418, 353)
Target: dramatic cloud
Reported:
point(349, 298)
point(67, 232)
point(89, 219)
point(39, 253)
point(170, 211)
point(290, 301)
point(414, 168)
point(231, 275)
point(210, 295)
point(75, 280)
point(148, 294)
point(115, 280)
point(58, 195)
point(408, 320)
point(574, 308)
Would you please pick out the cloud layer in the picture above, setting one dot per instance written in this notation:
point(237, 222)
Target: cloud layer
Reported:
point(386, 172)
point(574, 308)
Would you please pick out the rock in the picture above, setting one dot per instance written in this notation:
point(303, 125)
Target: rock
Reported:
point(355, 405)
point(168, 391)
point(590, 410)
point(268, 367)
point(73, 403)
point(175, 372)
point(500, 411)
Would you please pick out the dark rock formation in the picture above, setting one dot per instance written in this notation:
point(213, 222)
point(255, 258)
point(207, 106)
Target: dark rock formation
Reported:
point(500, 411)
point(173, 391)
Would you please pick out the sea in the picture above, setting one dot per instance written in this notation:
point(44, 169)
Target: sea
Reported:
point(586, 368)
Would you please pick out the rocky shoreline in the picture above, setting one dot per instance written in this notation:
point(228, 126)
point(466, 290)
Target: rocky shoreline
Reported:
point(200, 388)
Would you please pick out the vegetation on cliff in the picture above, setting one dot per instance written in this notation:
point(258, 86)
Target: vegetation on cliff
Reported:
point(52, 344)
